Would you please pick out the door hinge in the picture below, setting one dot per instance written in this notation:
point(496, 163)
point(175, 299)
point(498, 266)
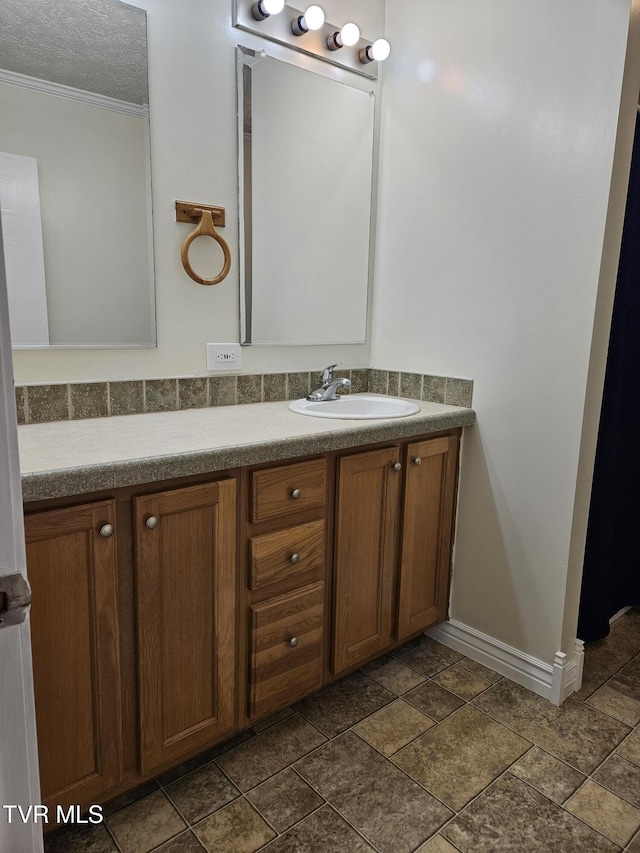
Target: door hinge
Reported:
point(15, 599)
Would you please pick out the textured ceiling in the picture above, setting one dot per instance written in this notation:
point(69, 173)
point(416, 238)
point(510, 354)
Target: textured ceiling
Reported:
point(94, 45)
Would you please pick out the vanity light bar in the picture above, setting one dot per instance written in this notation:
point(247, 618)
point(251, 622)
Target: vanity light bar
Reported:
point(308, 32)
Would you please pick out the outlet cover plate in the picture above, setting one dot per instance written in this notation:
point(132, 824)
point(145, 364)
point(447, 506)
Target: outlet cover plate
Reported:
point(224, 356)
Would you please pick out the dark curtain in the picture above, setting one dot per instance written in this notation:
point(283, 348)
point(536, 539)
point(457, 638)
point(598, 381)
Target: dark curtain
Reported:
point(611, 578)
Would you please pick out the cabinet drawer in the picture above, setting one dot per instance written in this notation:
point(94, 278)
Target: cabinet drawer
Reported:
point(279, 491)
point(286, 648)
point(288, 555)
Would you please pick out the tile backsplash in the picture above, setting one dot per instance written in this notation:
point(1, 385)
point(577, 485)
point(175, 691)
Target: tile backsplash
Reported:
point(76, 400)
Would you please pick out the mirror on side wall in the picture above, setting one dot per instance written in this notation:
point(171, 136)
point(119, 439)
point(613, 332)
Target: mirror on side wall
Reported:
point(75, 174)
point(306, 166)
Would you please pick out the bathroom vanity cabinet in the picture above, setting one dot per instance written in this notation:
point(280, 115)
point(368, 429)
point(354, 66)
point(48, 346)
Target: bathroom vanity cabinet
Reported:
point(394, 520)
point(168, 616)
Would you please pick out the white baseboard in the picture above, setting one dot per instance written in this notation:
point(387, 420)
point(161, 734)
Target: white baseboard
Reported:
point(553, 681)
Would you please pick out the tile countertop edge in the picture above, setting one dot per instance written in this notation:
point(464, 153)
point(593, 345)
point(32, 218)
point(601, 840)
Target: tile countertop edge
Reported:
point(65, 482)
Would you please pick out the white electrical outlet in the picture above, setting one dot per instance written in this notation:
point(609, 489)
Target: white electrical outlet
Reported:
point(224, 356)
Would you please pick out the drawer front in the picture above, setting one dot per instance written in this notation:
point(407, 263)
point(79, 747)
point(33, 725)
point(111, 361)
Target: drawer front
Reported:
point(295, 554)
point(286, 649)
point(279, 491)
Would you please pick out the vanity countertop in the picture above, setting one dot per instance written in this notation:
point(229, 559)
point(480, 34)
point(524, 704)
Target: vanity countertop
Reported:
point(65, 458)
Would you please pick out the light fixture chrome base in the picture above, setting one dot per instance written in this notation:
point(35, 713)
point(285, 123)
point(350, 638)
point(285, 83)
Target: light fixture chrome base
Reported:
point(278, 28)
point(298, 27)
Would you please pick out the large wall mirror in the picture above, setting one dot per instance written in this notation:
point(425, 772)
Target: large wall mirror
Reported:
point(75, 173)
point(306, 165)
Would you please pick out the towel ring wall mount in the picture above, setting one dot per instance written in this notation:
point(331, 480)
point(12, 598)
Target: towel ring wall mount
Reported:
point(205, 217)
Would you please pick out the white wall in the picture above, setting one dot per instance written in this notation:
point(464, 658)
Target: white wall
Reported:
point(192, 70)
point(499, 125)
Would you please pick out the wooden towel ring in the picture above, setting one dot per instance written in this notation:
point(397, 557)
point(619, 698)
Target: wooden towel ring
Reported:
point(206, 228)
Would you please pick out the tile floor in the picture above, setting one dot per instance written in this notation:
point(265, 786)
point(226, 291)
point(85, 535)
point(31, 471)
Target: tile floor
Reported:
point(423, 750)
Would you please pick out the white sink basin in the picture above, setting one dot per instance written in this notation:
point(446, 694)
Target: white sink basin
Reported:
point(356, 407)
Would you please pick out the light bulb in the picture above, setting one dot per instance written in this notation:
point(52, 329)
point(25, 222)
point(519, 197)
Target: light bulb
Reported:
point(313, 19)
point(380, 49)
point(346, 37)
point(264, 8)
point(350, 35)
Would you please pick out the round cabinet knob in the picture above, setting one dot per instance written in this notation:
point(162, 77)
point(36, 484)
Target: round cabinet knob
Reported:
point(106, 530)
point(295, 558)
point(152, 522)
point(293, 642)
point(417, 461)
point(397, 466)
point(295, 494)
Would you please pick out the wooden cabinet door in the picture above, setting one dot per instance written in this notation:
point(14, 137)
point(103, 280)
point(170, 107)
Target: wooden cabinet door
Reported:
point(427, 523)
point(368, 494)
point(76, 664)
point(186, 576)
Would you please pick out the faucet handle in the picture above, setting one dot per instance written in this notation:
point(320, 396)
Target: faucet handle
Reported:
point(327, 373)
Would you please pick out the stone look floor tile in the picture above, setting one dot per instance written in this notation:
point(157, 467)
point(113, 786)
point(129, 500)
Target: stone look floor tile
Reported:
point(434, 701)
point(267, 722)
point(483, 671)
point(605, 811)
point(323, 831)
point(393, 727)
point(129, 797)
point(575, 732)
point(80, 839)
point(462, 682)
point(425, 660)
point(397, 677)
point(269, 752)
point(339, 706)
point(285, 799)
point(627, 681)
point(202, 792)
point(444, 651)
point(146, 824)
point(606, 657)
point(520, 812)
point(461, 756)
point(631, 747)
point(204, 758)
point(376, 664)
point(437, 844)
point(185, 843)
point(236, 828)
point(622, 777)
point(510, 817)
point(547, 774)
point(617, 705)
point(393, 813)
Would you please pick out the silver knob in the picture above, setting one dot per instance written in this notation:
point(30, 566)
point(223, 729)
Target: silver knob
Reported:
point(397, 466)
point(293, 642)
point(295, 494)
point(152, 522)
point(295, 558)
point(417, 461)
point(106, 530)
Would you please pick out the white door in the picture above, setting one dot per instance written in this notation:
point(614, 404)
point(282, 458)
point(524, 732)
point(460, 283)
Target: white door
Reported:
point(19, 782)
point(23, 250)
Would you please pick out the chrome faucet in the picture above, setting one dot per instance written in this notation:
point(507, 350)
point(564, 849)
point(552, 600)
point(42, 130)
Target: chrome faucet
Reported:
point(329, 388)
